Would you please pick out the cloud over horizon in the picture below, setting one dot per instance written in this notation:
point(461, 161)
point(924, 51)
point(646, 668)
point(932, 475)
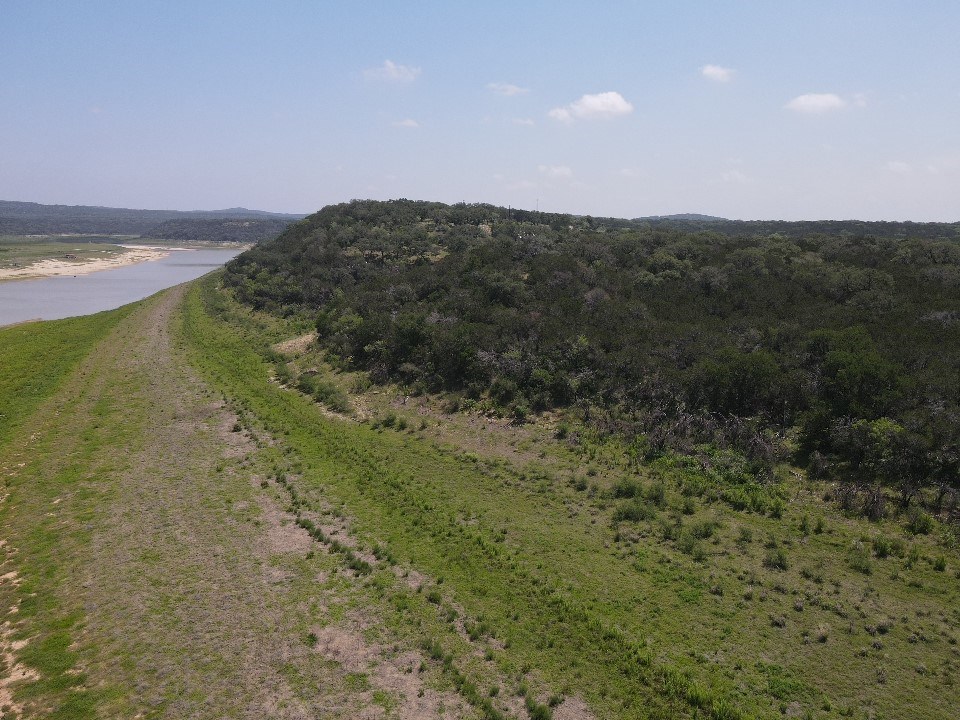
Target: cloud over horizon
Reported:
point(393, 72)
point(601, 105)
point(816, 103)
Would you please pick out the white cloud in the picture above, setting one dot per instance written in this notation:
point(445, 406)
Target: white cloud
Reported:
point(407, 123)
point(507, 89)
point(860, 99)
point(392, 72)
point(734, 176)
point(524, 121)
point(899, 167)
point(601, 105)
point(557, 172)
point(717, 73)
point(630, 172)
point(816, 103)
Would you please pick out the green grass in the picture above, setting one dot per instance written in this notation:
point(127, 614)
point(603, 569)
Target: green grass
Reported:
point(650, 604)
point(38, 469)
point(555, 569)
point(37, 356)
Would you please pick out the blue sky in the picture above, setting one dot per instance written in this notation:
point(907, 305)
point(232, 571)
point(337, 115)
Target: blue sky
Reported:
point(755, 110)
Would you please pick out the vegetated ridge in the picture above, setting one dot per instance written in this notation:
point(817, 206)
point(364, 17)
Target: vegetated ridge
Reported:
point(685, 216)
point(837, 352)
point(242, 230)
point(27, 218)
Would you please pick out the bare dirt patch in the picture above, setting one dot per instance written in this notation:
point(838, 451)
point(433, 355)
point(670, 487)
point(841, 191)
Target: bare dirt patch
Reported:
point(11, 672)
point(395, 673)
point(297, 345)
point(572, 708)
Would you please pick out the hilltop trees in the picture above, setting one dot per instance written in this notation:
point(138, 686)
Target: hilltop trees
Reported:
point(846, 343)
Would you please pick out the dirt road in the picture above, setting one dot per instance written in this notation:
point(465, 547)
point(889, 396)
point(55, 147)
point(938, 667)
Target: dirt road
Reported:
point(187, 590)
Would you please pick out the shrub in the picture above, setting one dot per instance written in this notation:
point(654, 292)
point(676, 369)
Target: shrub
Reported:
point(704, 529)
point(626, 488)
point(823, 633)
point(881, 546)
point(282, 373)
point(777, 508)
point(536, 710)
point(657, 494)
point(634, 511)
point(326, 393)
point(736, 497)
point(898, 548)
point(859, 559)
point(776, 559)
point(940, 563)
point(913, 556)
point(687, 542)
point(918, 522)
point(520, 413)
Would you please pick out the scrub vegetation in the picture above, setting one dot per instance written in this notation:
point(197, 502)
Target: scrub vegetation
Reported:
point(484, 507)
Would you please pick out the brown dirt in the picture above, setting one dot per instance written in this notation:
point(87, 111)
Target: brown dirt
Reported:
point(297, 345)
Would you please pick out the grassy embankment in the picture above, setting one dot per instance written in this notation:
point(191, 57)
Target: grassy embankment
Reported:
point(148, 569)
point(37, 359)
point(578, 570)
point(525, 567)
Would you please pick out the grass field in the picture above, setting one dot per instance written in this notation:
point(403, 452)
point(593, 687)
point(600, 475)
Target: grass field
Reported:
point(262, 536)
point(640, 589)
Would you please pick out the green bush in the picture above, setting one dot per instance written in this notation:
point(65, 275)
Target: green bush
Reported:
point(634, 510)
point(859, 559)
point(918, 522)
point(881, 546)
point(776, 559)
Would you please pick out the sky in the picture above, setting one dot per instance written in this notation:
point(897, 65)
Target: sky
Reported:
point(795, 110)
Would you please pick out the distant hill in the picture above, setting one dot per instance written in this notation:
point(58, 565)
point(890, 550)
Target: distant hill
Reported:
point(684, 216)
point(237, 229)
point(27, 218)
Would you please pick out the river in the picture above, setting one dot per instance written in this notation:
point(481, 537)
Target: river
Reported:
point(67, 296)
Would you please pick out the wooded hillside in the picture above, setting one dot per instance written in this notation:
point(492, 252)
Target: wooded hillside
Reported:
point(840, 352)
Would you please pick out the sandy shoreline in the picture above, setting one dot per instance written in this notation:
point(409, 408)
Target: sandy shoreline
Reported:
point(53, 268)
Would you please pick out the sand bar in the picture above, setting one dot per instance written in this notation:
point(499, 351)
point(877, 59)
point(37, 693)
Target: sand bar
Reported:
point(54, 267)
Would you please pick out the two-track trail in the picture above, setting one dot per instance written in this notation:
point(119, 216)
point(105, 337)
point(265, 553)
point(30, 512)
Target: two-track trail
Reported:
point(150, 571)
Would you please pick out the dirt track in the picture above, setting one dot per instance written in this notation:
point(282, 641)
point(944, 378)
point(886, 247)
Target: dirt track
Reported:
point(196, 594)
